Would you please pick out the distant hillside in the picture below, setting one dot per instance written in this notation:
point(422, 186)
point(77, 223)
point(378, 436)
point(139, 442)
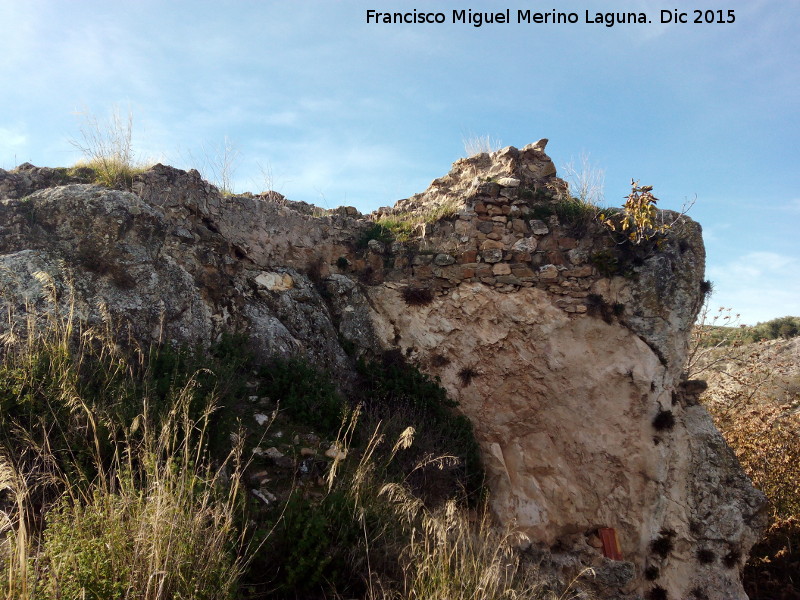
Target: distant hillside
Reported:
point(754, 396)
point(780, 328)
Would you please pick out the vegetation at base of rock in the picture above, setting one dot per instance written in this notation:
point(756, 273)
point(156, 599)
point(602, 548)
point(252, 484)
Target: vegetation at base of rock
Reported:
point(698, 593)
point(651, 573)
point(773, 570)
point(116, 488)
point(307, 394)
point(397, 394)
point(705, 556)
point(657, 593)
point(466, 375)
point(102, 504)
point(731, 559)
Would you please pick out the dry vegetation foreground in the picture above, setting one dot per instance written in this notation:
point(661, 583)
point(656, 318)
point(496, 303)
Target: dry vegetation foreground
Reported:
point(754, 396)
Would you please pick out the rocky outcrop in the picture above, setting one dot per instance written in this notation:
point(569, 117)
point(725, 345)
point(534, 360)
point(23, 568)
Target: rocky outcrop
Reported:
point(564, 345)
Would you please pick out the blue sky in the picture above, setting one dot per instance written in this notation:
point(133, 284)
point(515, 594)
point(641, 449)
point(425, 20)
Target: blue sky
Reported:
point(338, 111)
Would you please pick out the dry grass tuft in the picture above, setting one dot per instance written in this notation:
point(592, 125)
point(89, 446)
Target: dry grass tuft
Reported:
point(104, 507)
point(107, 149)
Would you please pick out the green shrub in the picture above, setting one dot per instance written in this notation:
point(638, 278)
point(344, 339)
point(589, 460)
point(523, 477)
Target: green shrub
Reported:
point(401, 395)
point(314, 544)
point(306, 394)
point(782, 327)
point(86, 548)
point(152, 521)
point(576, 215)
point(163, 523)
point(381, 232)
point(128, 498)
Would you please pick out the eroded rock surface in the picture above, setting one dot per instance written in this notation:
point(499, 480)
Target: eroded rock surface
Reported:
point(564, 346)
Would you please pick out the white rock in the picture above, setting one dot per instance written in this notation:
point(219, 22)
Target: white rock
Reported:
point(527, 244)
point(508, 182)
point(265, 496)
point(275, 282)
point(273, 453)
point(335, 453)
point(539, 227)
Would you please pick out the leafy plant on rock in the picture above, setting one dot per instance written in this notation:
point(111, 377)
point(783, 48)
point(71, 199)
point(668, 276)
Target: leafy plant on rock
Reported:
point(638, 220)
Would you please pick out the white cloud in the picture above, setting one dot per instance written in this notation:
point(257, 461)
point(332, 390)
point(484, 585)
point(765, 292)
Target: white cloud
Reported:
point(332, 169)
point(12, 139)
point(285, 118)
point(759, 285)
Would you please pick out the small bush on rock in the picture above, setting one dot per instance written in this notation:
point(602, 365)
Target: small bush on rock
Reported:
point(638, 220)
point(417, 296)
point(662, 545)
point(664, 420)
point(705, 556)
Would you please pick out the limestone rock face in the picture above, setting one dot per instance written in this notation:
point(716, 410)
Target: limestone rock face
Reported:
point(564, 411)
point(577, 341)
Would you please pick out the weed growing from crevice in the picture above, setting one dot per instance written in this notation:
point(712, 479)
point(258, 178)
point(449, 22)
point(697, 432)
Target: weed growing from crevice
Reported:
point(606, 263)
point(576, 215)
point(596, 306)
point(439, 360)
point(376, 231)
point(662, 545)
point(731, 559)
point(657, 593)
point(705, 556)
point(664, 420)
point(417, 296)
point(466, 375)
point(698, 593)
